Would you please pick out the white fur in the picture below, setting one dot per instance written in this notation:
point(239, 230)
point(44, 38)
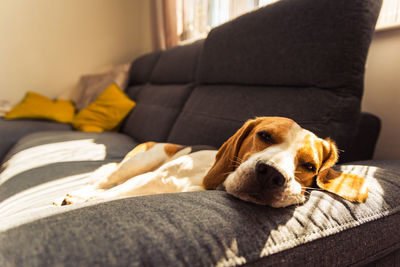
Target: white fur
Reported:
point(142, 162)
point(183, 174)
point(180, 174)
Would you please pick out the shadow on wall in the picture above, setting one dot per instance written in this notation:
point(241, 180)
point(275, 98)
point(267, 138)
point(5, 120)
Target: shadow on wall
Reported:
point(382, 90)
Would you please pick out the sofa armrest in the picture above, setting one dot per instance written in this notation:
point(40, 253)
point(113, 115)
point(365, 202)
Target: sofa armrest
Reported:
point(12, 130)
point(364, 143)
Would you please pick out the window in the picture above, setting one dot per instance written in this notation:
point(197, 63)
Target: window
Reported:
point(390, 15)
point(195, 18)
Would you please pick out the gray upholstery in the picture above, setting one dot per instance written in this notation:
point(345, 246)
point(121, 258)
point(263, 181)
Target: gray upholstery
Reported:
point(303, 43)
point(12, 130)
point(367, 133)
point(142, 68)
point(44, 157)
point(157, 107)
point(160, 91)
point(205, 228)
point(221, 109)
point(177, 65)
point(114, 144)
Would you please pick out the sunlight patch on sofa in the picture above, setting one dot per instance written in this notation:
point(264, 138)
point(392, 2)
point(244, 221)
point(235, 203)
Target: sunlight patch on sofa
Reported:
point(232, 256)
point(324, 214)
point(76, 150)
point(42, 196)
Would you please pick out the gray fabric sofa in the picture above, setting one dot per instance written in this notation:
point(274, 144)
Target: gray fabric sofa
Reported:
point(301, 59)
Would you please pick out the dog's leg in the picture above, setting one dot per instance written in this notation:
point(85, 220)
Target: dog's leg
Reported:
point(183, 174)
point(88, 190)
point(143, 158)
point(179, 174)
point(142, 184)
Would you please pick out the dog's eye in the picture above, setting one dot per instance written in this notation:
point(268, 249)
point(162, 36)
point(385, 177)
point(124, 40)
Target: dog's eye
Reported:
point(309, 166)
point(266, 137)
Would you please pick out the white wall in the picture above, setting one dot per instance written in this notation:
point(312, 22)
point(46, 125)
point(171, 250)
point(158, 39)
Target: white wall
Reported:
point(46, 45)
point(382, 90)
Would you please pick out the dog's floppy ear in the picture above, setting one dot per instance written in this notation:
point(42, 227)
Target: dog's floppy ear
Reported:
point(348, 186)
point(226, 158)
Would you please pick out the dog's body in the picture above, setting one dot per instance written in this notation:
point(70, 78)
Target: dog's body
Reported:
point(268, 161)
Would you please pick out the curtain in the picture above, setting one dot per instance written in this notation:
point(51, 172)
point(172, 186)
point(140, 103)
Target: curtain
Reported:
point(164, 18)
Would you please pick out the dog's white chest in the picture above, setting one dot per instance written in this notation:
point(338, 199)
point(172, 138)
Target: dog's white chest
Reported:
point(185, 173)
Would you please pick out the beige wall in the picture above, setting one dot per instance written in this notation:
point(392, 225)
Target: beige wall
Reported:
point(46, 45)
point(382, 90)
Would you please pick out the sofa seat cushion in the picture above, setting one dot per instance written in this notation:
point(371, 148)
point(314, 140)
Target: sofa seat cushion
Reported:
point(12, 130)
point(53, 163)
point(211, 228)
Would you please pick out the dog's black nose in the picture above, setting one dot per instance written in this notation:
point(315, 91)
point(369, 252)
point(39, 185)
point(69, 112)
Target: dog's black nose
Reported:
point(268, 175)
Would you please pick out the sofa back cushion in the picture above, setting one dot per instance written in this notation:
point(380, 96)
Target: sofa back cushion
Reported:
point(299, 59)
point(160, 84)
point(214, 112)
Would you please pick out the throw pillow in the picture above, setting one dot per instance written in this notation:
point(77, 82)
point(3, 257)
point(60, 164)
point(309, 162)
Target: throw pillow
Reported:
point(91, 86)
point(105, 113)
point(36, 106)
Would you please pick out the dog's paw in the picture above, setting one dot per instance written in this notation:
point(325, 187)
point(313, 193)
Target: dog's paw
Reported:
point(58, 201)
point(69, 199)
point(84, 194)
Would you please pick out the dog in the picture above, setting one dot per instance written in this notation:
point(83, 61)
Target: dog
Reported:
point(268, 161)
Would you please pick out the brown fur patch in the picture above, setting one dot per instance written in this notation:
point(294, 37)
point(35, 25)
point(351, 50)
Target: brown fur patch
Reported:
point(306, 156)
point(276, 127)
point(140, 148)
point(171, 149)
point(348, 186)
point(242, 145)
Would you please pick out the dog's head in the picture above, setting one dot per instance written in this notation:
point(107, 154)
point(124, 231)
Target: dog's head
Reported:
point(272, 161)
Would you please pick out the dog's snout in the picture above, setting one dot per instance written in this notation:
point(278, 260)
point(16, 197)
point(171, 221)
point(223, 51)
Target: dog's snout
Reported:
point(268, 175)
point(261, 167)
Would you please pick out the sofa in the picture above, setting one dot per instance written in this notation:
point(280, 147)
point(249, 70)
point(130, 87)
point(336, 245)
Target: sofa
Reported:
point(301, 59)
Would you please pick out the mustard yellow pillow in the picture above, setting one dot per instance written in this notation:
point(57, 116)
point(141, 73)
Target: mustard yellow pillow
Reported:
point(105, 113)
point(36, 106)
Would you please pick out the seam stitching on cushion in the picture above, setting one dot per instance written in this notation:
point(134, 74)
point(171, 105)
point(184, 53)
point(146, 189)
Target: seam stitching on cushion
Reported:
point(382, 253)
point(240, 121)
point(180, 110)
point(325, 233)
point(158, 106)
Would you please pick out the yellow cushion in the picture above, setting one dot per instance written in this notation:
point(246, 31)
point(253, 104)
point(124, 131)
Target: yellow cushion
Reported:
point(105, 113)
point(36, 106)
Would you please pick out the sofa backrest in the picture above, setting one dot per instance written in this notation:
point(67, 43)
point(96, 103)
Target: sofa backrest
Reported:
point(160, 84)
point(300, 59)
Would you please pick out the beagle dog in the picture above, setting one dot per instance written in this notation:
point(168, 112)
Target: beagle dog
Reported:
point(269, 161)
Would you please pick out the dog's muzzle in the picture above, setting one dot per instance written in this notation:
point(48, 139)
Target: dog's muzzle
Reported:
point(268, 176)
